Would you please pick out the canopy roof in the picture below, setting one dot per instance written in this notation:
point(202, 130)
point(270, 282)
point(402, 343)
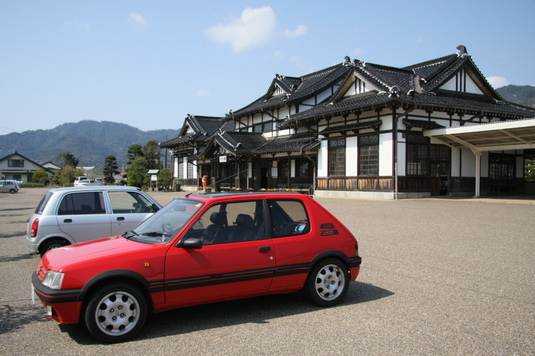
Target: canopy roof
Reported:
point(508, 135)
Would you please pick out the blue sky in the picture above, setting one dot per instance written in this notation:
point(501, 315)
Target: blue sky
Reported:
point(150, 63)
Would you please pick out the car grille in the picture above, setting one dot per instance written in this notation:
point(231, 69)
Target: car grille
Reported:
point(41, 271)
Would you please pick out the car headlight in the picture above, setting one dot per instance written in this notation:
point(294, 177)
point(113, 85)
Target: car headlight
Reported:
point(53, 279)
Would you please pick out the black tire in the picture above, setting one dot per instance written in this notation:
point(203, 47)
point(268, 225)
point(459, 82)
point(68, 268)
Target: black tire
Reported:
point(328, 282)
point(12, 191)
point(51, 244)
point(115, 312)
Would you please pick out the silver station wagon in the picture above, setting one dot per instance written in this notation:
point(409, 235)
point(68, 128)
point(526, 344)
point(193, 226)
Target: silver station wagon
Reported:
point(67, 216)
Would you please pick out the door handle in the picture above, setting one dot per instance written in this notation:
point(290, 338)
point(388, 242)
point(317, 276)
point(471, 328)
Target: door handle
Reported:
point(67, 220)
point(120, 218)
point(264, 248)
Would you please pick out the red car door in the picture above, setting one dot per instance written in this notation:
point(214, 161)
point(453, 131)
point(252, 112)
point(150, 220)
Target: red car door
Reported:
point(216, 272)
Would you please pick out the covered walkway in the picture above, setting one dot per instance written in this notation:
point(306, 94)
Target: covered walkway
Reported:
point(501, 136)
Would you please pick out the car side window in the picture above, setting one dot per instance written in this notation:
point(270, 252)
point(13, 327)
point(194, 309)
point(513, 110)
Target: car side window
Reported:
point(230, 222)
point(82, 204)
point(130, 203)
point(288, 218)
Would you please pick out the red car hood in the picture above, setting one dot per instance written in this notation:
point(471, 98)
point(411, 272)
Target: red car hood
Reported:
point(116, 246)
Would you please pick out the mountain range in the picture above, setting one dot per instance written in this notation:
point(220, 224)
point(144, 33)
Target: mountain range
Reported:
point(91, 141)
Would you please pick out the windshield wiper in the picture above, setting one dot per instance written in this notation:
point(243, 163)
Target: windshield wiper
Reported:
point(129, 234)
point(154, 233)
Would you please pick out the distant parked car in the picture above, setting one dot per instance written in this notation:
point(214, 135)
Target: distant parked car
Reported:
point(9, 186)
point(99, 181)
point(84, 181)
point(67, 216)
point(198, 249)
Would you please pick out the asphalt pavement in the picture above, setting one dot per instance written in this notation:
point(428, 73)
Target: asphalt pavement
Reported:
point(439, 276)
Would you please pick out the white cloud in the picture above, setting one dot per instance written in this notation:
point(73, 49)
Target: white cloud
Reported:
point(137, 22)
point(84, 26)
point(255, 27)
point(202, 92)
point(301, 30)
point(498, 82)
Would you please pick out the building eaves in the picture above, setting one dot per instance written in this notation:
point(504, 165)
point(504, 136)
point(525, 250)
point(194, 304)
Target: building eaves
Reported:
point(374, 124)
point(295, 143)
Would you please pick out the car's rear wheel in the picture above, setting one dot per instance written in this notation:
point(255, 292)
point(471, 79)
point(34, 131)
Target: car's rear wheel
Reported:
point(115, 312)
point(51, 244)
point(328, 282)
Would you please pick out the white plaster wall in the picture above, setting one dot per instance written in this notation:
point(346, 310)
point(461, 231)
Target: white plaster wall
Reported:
point(175, 168)
point(402, 158)
point(322, 160)
point(352, 156)
point(468, 163)
point(385, 154)
point(195, 170)
point(455, 159)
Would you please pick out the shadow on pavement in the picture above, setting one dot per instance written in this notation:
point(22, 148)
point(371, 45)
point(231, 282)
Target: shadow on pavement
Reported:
point(259, 310)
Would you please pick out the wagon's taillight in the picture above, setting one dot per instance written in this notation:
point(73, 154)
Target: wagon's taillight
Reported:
point(35, 226)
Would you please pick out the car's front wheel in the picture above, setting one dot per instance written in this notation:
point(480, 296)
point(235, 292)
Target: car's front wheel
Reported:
point(115, 313)
point(328, 282)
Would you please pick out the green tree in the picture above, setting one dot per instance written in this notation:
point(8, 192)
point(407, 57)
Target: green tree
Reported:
point(66, 175)
point(68, 159)
point(137, 172)
point(40, 176)
point(151, 151)
point(165, 179)
point(529, 170)
point(134, 151)
point(110, 168)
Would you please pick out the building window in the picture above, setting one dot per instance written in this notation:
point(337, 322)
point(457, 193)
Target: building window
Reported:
point(15, 163)
point(417, 154)
point(283, 168)
point(502, 167)
point(337, 157)
point(257, 128)
point(190, 170)
point(302, 168)
point(369, 155)
point(180, 170)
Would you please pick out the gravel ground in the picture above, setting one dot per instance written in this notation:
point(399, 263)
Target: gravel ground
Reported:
point(439, 276)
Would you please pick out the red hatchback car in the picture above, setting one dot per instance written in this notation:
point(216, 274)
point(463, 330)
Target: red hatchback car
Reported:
point(201, 248)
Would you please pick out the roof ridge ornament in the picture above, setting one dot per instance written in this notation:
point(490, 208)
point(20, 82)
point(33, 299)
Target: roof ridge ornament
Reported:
point(463, 52)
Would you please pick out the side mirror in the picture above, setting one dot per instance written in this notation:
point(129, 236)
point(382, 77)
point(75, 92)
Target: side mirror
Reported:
point(155, 208)
point(191, 243)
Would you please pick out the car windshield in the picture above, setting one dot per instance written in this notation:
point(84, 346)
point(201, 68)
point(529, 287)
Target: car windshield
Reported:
point(163, 226)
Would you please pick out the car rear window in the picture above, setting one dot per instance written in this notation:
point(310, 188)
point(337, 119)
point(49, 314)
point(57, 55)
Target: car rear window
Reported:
point(43, 202)
point(288, 218)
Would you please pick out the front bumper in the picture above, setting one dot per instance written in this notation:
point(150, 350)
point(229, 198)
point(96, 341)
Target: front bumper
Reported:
point(62, 305)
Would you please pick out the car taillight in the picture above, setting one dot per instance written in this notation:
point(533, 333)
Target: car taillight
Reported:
point(35, 226)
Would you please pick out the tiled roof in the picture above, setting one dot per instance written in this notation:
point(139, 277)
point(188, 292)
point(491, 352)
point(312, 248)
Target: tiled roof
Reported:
point(202, 126)
point(239, 142)
point(297, 89)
